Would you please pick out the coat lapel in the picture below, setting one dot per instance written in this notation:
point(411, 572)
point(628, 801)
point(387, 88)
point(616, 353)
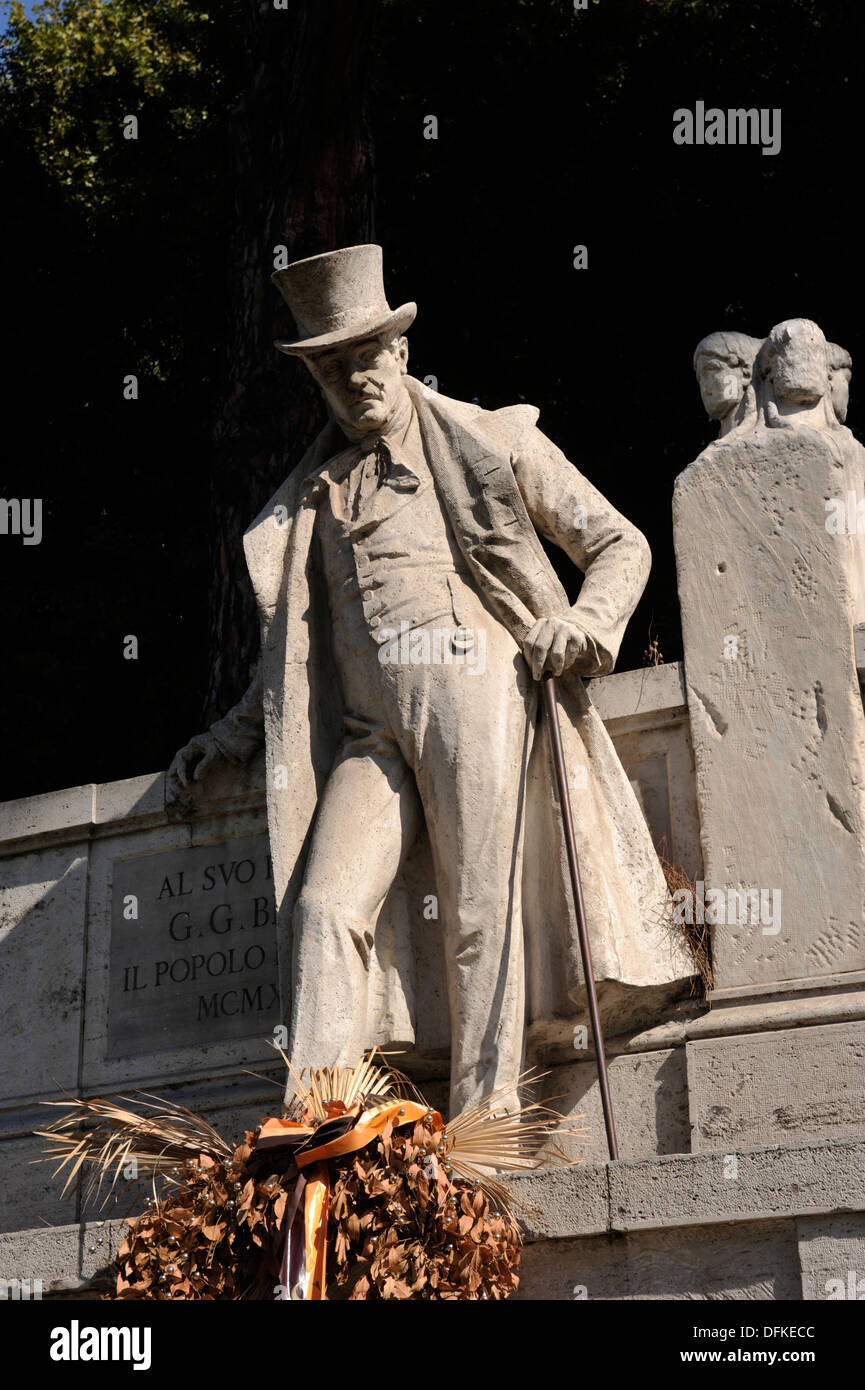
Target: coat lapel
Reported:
point(473, 471)
point(270, 537)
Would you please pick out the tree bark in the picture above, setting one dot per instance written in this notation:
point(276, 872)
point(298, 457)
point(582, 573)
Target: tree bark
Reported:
point(301, 159)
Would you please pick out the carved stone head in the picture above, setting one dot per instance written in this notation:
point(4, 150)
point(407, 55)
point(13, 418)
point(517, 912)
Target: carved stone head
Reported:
point(840, 374)
point(348, 336)
point(795, 362)
point(363, 382)
point(724, 363)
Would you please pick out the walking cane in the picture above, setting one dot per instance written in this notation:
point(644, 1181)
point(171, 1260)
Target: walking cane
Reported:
point(552, 712)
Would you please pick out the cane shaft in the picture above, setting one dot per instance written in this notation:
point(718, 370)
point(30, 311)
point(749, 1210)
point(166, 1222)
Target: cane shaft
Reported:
point(552, 713)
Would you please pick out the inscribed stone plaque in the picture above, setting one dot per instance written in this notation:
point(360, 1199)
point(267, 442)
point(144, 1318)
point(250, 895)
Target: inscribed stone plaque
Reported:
point(193, 947)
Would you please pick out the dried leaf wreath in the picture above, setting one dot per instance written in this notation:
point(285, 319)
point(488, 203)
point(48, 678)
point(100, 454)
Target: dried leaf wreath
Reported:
point(357, 1192)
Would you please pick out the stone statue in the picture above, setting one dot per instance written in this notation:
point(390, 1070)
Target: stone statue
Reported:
point(793, 377)
point(798, 381)
point(407, 611)
point(724, 363)
point(840, 374)
point(800, 388)
point(769, 527)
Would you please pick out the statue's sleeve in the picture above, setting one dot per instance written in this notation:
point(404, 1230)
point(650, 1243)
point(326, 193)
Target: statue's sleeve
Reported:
point(240, 733)
point(612, 554)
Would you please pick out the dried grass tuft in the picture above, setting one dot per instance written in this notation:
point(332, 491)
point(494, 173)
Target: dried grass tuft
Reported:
point(696, 934)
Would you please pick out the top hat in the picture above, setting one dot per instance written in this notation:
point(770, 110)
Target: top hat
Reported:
point(337, 298)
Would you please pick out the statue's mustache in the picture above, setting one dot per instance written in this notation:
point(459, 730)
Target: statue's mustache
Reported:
point(369, 389)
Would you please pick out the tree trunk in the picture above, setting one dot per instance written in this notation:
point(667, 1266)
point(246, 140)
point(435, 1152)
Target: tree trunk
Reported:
point(301, 157)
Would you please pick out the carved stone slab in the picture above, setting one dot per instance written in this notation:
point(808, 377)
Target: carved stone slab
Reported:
point(776, 715)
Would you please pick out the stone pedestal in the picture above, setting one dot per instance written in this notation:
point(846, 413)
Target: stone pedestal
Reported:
point(775, 710)
point(750, 1224)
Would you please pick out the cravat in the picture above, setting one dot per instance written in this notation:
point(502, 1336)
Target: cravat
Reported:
point(373, 474)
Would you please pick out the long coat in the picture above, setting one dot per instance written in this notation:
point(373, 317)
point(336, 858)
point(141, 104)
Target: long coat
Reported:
point(502, 481)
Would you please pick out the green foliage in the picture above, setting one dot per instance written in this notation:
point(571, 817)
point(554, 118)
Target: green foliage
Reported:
point(71, 74)
point(121, 256)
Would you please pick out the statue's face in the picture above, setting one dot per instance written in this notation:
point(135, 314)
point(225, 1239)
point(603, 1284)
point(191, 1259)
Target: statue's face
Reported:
point(839, 386)
point(362, 382)
point(799, 371)
point(721, 386)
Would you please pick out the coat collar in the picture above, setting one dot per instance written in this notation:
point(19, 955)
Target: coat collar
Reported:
point(469, 452)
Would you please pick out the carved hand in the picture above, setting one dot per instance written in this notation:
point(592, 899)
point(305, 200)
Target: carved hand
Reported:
point(553, 644)
point(190, 764)
point(775, 421)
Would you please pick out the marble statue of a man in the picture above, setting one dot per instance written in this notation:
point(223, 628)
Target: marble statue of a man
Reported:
point(408, 610)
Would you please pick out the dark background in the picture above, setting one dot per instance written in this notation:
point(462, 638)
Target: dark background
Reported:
point(555, 128)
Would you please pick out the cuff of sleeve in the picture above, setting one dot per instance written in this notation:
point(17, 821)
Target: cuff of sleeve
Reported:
point(234, 749)
point(596, 660)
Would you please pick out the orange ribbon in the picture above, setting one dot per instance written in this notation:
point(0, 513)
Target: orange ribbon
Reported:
point(316, 1208)
point(370, 1124)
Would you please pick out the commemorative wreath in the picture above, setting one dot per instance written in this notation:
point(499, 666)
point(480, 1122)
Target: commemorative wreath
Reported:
point(358, 1191)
